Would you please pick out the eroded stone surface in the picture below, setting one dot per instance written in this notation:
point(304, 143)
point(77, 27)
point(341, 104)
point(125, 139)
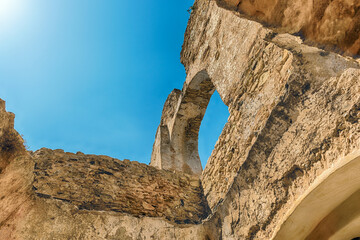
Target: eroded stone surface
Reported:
point(15, 177)
point(11, 143)
point(56, 219)
point(290, 106)
point(106, 184)
point(333, 23)
point(294, 114)
point(51, 194)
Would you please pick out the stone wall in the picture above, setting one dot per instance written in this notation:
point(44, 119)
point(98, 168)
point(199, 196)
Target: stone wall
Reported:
point(77, 196)
point(290, 108)
point(327, 23)
point(293, 133)
point(102, 183)
point(52, 194)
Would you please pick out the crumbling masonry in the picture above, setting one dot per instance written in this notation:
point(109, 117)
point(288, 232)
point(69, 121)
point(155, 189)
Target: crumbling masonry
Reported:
point(286, 165)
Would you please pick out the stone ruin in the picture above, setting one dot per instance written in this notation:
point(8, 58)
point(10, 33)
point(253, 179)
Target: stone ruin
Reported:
point(286, 165)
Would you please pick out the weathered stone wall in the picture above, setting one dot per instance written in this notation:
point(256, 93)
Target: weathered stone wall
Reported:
point(253, 70)
point(59, 220)
point(293, 133)
point(50, 194)
point(102, 183)
point(328, 23)
point(294, 112)
point(279, 168)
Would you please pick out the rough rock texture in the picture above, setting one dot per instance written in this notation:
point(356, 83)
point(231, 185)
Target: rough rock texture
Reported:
point(106, 184)
point(335, 23)
point(15, 176)
point(294, 112)
point(254, 70)
point(50, 194)
point(290, 150)
point(11, 144)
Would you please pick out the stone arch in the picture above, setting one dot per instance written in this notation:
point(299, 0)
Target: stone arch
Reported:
point(331, 207)
point(176, 141)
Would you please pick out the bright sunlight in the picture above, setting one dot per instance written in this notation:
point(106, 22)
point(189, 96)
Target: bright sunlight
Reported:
point(10, 11)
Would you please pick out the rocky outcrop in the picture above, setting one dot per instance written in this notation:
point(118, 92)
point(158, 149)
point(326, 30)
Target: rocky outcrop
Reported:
point(11, 143)
point(15, 176)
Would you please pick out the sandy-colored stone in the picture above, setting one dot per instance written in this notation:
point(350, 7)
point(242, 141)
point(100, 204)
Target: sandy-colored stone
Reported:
point(289, 149)
point(331, 24)
point(102, 183)
point(290, 107)
point(176, 140)
point(52, 194)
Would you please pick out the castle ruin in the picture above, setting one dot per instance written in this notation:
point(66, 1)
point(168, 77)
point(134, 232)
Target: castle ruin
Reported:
point(285, 167)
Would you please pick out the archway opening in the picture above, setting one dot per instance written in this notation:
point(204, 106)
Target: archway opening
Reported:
point(176, 141)
point(215, 118)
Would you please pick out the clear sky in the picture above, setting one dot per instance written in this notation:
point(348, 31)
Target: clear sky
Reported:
point(92, 75)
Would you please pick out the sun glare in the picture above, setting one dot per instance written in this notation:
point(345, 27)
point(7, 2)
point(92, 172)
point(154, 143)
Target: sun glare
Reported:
point(10, 10)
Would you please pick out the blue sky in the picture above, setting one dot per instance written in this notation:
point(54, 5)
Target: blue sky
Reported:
point(92, 76)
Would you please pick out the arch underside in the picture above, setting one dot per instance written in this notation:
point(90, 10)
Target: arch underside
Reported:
point(331, 208)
